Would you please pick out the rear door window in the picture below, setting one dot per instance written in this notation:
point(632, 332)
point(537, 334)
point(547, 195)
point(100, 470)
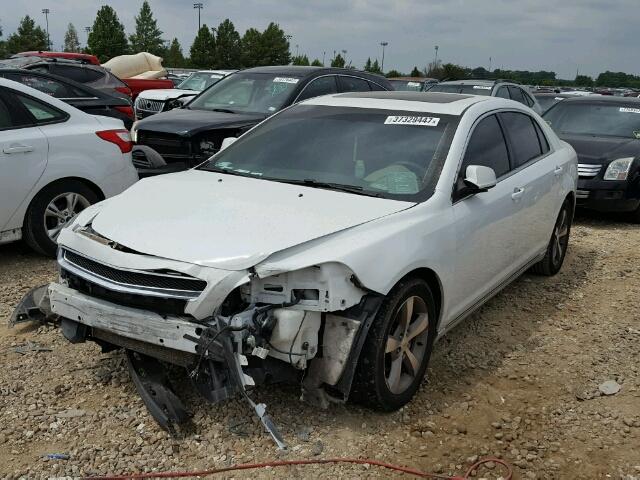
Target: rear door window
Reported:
point(516, 94)
point(319, 86)
point(353, 84)
point(503, 92)
point(523, 138)
point(377, 88)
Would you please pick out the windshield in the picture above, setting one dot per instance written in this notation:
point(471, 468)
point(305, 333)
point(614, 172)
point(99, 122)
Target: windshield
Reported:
point(407, 85)
point(373, 152)
point(247, 92)
point(601, 119)
point(199, 81)
point(460, 88)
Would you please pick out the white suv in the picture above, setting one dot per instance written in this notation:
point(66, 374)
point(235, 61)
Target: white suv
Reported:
point(55, 161)
point(149, 102)
point(339, 237)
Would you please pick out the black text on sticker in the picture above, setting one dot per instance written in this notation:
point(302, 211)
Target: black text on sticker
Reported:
point(408, 120)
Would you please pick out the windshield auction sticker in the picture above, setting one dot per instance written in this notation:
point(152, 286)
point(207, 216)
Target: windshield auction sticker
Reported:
point(402, 120)
point(629, 110)
point(286, 80)
point(481, 87)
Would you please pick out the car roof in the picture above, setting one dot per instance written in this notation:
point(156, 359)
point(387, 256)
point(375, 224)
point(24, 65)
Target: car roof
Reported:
point(469, 82)
point(443, 103)
point(412, 79)
point(303, 71)
point(603, 99)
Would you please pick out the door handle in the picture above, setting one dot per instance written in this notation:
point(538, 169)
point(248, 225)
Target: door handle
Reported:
point(17, 149)
point(517, 193)
point(557, 171)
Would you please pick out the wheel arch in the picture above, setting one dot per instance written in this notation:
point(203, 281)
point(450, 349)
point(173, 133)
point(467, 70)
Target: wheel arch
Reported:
point(435, 284)
point(95, 188)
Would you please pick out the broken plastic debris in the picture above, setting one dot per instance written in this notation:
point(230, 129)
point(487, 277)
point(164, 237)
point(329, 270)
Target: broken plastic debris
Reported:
point(610, 387)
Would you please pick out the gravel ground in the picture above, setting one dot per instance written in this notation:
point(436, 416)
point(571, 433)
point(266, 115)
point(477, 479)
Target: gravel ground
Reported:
point(518, 380)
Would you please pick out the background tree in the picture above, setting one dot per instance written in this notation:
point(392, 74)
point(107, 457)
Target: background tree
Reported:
point(71, 42)
point(228, 51)
point(300, 60)
point(375, 67)
point(107, 38)
point(317, 63)
point(3, 45)
point(367, 65)
point(452, 71)
point(148, 37)
point(29, 36)
point(275, 46)
point(415, 72)
point(393, 73)
point(338, 61)
point(174, 57)
point(251, 48)
point(203, 50)
point(583, 81)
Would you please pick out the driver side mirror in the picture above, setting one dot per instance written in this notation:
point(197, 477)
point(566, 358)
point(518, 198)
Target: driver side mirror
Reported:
point(226, 142)
point(479, 178)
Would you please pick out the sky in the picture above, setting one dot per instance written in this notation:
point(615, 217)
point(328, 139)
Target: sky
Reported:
point(565, 36)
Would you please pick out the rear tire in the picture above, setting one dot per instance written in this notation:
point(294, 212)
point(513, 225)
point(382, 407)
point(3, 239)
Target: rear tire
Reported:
point(557, 249)
point(397, 349)
point(53, 208)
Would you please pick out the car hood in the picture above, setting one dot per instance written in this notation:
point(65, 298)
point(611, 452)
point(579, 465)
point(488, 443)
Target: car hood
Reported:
point(165, 94)
point(602, 150)
point(186, 122)
point(226, 221)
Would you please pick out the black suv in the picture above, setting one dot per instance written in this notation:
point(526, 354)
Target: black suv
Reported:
point(184, 137)
point(605, 133)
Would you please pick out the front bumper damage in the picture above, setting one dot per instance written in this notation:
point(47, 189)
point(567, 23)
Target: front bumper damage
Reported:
point(304, 327)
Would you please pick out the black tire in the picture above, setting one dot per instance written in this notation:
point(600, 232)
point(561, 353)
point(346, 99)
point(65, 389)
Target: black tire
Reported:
point(552, 261)
point(371, 386)
point(35, 228)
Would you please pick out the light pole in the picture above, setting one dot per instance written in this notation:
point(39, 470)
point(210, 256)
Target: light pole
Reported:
point(435, 62)
point(296, 49)
point(46, 12)
point(323, 55)
point(198, 6)
point(384, 44)
point(489, 64)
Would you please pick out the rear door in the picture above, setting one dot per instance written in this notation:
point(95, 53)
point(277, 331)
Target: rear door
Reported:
point(537, 176)
point(23, 157)
point(487, 240)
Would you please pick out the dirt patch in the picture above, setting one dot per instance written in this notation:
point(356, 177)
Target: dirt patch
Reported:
point(518, 380)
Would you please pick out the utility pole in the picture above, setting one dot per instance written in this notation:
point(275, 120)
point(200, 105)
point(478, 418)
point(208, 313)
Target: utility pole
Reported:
point(198, 6)
point(296, 49)
point(46, 12)
point(489, 64)
point(435, 62)
point(384, 44)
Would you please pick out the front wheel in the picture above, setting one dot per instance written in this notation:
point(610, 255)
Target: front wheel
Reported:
point(52, 209)
point(557, 249)
point(396, 352)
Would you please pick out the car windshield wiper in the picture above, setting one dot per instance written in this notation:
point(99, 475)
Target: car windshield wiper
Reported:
point(223, 110)
point(310, 182)
point(228, 171)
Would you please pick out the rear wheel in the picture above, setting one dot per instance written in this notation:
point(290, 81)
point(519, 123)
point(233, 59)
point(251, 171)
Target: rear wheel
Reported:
point(52, 209)
point(396, 352)
point(557, 249)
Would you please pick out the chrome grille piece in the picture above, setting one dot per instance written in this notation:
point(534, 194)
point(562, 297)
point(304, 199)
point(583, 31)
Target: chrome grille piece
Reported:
point(169, 285)
point(588, 170)
point(149, 105)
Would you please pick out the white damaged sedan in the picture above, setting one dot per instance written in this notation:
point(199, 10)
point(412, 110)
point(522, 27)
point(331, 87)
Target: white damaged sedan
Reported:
point(332, 244)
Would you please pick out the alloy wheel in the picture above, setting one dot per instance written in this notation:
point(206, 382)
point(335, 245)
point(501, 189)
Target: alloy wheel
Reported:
point(560, 237)
point(61, 211)
point(406, 344)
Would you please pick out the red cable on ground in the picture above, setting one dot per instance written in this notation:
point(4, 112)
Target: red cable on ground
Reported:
point(283, 463)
